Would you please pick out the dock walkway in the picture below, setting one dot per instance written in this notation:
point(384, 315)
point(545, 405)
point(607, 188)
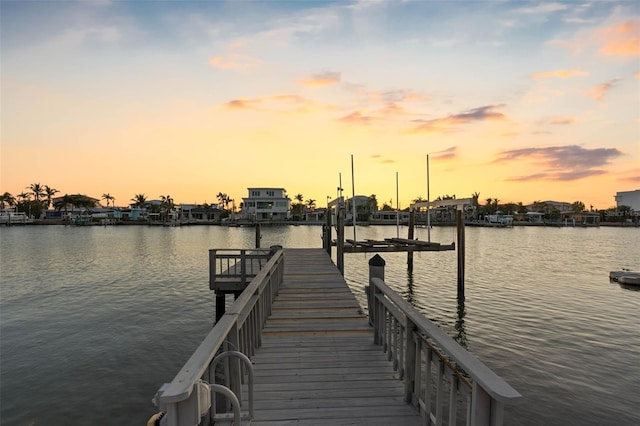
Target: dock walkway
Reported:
point(318, 364)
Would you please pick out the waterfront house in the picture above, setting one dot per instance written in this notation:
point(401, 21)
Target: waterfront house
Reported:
point(629, 198)
point(534, 217)
point(266, 204)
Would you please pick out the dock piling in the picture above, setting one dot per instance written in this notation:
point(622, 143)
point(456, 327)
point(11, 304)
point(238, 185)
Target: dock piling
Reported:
point(412, 222)
point(461, 250)
point(376, 270)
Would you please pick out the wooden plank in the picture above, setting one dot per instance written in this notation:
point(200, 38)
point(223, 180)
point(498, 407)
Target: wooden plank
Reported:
point(317, 364)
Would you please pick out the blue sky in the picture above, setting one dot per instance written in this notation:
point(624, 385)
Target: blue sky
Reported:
point(519, 101)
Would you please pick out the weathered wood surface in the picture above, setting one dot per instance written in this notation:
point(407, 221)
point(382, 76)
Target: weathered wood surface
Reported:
point(317, 364)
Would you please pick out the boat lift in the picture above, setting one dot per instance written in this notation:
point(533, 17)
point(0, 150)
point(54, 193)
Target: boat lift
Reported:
point(337, 208)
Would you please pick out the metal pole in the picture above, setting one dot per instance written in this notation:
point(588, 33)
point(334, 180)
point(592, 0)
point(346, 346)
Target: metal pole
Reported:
point(397, 209)
point(353, 200)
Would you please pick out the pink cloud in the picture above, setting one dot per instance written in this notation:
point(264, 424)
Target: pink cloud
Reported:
point(561, 163)
point(356, 118)
point(598, 92)
point(483, 113)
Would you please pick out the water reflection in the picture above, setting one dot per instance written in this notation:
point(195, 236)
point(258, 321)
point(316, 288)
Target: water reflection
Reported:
point(409, 294)
point(461, 333)
point(630, 287)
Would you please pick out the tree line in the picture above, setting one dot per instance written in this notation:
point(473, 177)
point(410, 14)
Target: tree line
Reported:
point(39, 198)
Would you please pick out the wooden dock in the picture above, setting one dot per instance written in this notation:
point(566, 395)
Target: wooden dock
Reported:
point(318, 364)
point(295, 348)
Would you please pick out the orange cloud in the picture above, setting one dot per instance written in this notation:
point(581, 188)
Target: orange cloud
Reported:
point(560, 74)
point(383, 160)
point(620, 40)
point(280, 103)
point(234, 61)
point(242, 103)
point(356, 118)
point(598, 92)
point(320, 80)
point(634, 177)
point(447, 154)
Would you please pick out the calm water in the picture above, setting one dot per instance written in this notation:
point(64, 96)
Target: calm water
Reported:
point(95, 319)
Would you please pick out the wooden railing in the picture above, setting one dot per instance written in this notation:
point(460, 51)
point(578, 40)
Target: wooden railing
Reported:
point(187, 399)
point(442, 379)
point(232, 269)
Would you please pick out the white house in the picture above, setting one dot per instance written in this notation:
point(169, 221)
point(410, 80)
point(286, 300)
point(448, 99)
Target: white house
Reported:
point(628, 198)
point(266, 204)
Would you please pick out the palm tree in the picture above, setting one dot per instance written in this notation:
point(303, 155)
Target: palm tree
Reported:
point(7, 198)
point(311, 204)
point(139, 200)
point(49, 192)
point(224, 199)
point(64, 202)
point(577, 207)
point(372, 204)
point(475, 204)
point(167, 203)
point(37, 190)
point(108, 198)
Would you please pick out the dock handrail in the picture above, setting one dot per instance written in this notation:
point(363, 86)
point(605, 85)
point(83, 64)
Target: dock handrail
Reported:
point(235, 265)
point(239, 329)
point(406, 335)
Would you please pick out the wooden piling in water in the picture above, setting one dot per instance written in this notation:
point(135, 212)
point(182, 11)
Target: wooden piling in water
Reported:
point(461, 250)
point(340, 238)
point(412, 222)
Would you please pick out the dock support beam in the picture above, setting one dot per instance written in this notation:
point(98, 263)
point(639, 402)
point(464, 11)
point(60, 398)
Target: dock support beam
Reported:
point(376, 270)
point(340, 238)
point(326, 242)
point(258, 235)
point(220, 305)
point(461, 250)
point(412, 222)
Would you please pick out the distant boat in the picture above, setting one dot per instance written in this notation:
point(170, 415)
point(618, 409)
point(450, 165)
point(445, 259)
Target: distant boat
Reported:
point(494, 221)
point(625, 277)
point(10, 217)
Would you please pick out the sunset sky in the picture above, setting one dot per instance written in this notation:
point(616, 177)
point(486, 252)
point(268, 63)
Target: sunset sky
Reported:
point(520, 101)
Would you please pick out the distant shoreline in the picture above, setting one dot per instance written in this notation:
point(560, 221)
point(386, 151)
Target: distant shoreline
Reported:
point(39, 222)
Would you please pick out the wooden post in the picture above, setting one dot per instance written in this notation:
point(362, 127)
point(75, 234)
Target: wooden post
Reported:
point(461, 249)
point(410, 363)
point(220, 305)
point(235, 371)
point(327, 232)
point(258, 235)
point(412, 221)
point(376, 270)
point(340, 238)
